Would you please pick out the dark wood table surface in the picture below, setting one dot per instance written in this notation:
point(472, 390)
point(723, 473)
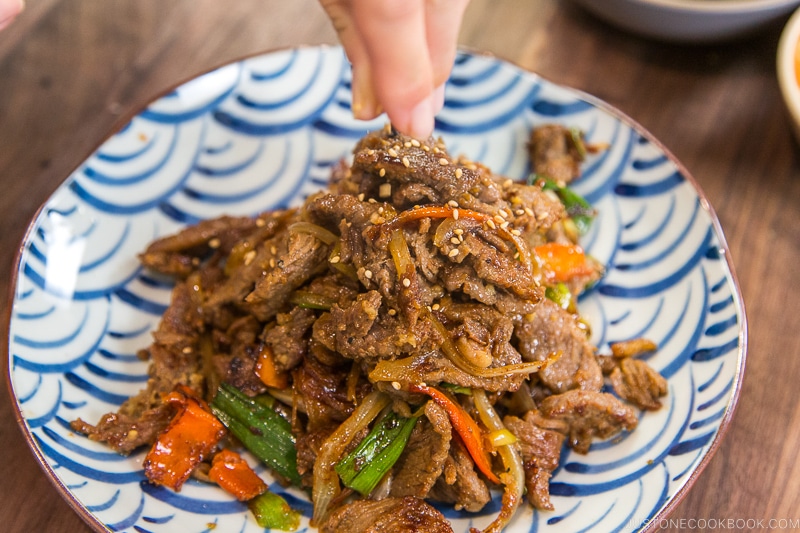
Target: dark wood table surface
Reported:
point(69, 70)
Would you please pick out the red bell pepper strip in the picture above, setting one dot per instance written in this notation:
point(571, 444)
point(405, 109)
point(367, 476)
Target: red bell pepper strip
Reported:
point(466, 428)
point(564, 262)
point(190, 437)
point(233, 474)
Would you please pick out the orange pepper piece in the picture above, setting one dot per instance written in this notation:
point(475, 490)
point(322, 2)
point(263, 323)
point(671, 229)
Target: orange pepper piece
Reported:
point(190, 437)
point(563, 262)
point(471, 435)
point(233, 474)
point(267, 372)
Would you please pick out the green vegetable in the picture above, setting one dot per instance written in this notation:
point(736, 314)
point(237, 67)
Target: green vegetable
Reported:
point(559, 293)
point(578, 209)
point(456, 389)
point(310, 300)
point(577, 139)
point(272, 512)
point(260, 429)
point(363, 468)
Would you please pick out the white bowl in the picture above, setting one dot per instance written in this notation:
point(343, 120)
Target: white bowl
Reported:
point(787, 66)
point(690, 21)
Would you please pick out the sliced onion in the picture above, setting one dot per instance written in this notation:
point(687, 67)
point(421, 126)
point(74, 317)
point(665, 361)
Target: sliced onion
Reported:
point(500, 437)
point(314, 229)
point(326, 481)
point(398, 247)
point(514, 476)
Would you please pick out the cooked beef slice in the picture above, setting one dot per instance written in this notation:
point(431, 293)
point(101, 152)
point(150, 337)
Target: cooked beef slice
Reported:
point(389, 515)
point(590, 415)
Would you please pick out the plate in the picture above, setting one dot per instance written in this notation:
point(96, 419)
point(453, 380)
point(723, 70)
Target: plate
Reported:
point(262, 133)
point(691, 21)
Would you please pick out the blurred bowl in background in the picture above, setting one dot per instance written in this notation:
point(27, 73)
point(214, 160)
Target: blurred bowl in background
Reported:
point(788, 66)
point(690, 21)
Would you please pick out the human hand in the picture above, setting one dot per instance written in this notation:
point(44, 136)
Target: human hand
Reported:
point(9, 9)
point(402, 52)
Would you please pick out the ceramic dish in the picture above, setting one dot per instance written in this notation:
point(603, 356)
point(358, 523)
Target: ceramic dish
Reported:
point(262, 133)
point(690, 21)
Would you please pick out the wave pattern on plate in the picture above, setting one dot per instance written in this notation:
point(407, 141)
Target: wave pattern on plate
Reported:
point(263, 133)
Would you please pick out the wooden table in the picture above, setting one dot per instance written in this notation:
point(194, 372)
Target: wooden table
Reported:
point(69, 70)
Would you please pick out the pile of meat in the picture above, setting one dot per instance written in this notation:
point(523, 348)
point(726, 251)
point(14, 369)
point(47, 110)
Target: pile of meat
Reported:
point(414, 268)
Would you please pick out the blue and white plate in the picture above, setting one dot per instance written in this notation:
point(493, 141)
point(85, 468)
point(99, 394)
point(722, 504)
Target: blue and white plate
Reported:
point(262, 133)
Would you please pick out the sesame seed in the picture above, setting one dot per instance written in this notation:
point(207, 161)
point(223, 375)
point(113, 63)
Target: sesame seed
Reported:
point(392, 152)
point(249, 256)
point(455, 214)
point(273, 249)
point(436, 307)
point(455, 240)
point(460, 239)
point(516, 232)
point(491, 224)
point(407, 144)
point(406, 282)
point(187, 349)
point(499, 219)
point(454, 252)
point(335, 259)
point(373, 201)
point(214, 243)
point(508, 183)
point(261, 222)
point(502, 213)
point(385, 190)
point(541, 216)
point(472, 166)
point(368, 274)
point(395, 385)
point(444, 162)
point(272, 263)
point(504, 225)
point(392, 312)
point(426, 148)
point(436, 150)
point(361, 197)
point(371, 152)
point(415, 143)
point(519, 212)
point(382, 172)
point(452, 203)
point(458, 231)
point(406, 162)
point(381, 210)
point(459, 173)
point(528, 211)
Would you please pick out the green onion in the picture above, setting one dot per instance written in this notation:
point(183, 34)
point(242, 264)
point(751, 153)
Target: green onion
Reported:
point(272, 512)
point(456, 389)
point(260, 429)
point(578, 209)
point(559, 293)
point(577, 139)
point(363, 468)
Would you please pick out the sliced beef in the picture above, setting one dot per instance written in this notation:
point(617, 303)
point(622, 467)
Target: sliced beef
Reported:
point(389, 515)
point(550, 330)
point(555, 153)
point(590, 415)
point(423, 458)
point(125, 433)
point(460, 484)
point(637, 382)
point(541, 451)
point(288, 338)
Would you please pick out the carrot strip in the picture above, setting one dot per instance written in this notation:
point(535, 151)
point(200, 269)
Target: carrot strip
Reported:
point(267, 372)
point(190, 437)
point(466, 428)
point(438, 211)
point(233, 474)
point(564, 261)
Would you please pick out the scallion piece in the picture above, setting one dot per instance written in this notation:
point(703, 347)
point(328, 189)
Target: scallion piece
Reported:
point(559, 293)
point(272, 512)
point(579, 210)
point(260, 429)
point(363, 468)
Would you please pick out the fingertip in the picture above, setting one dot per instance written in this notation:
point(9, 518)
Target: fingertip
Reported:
point(417, 122)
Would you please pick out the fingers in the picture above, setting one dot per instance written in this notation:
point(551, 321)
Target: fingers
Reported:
point(401, 53)
point(394, 37)
point(9, 9)
point(443, 22)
